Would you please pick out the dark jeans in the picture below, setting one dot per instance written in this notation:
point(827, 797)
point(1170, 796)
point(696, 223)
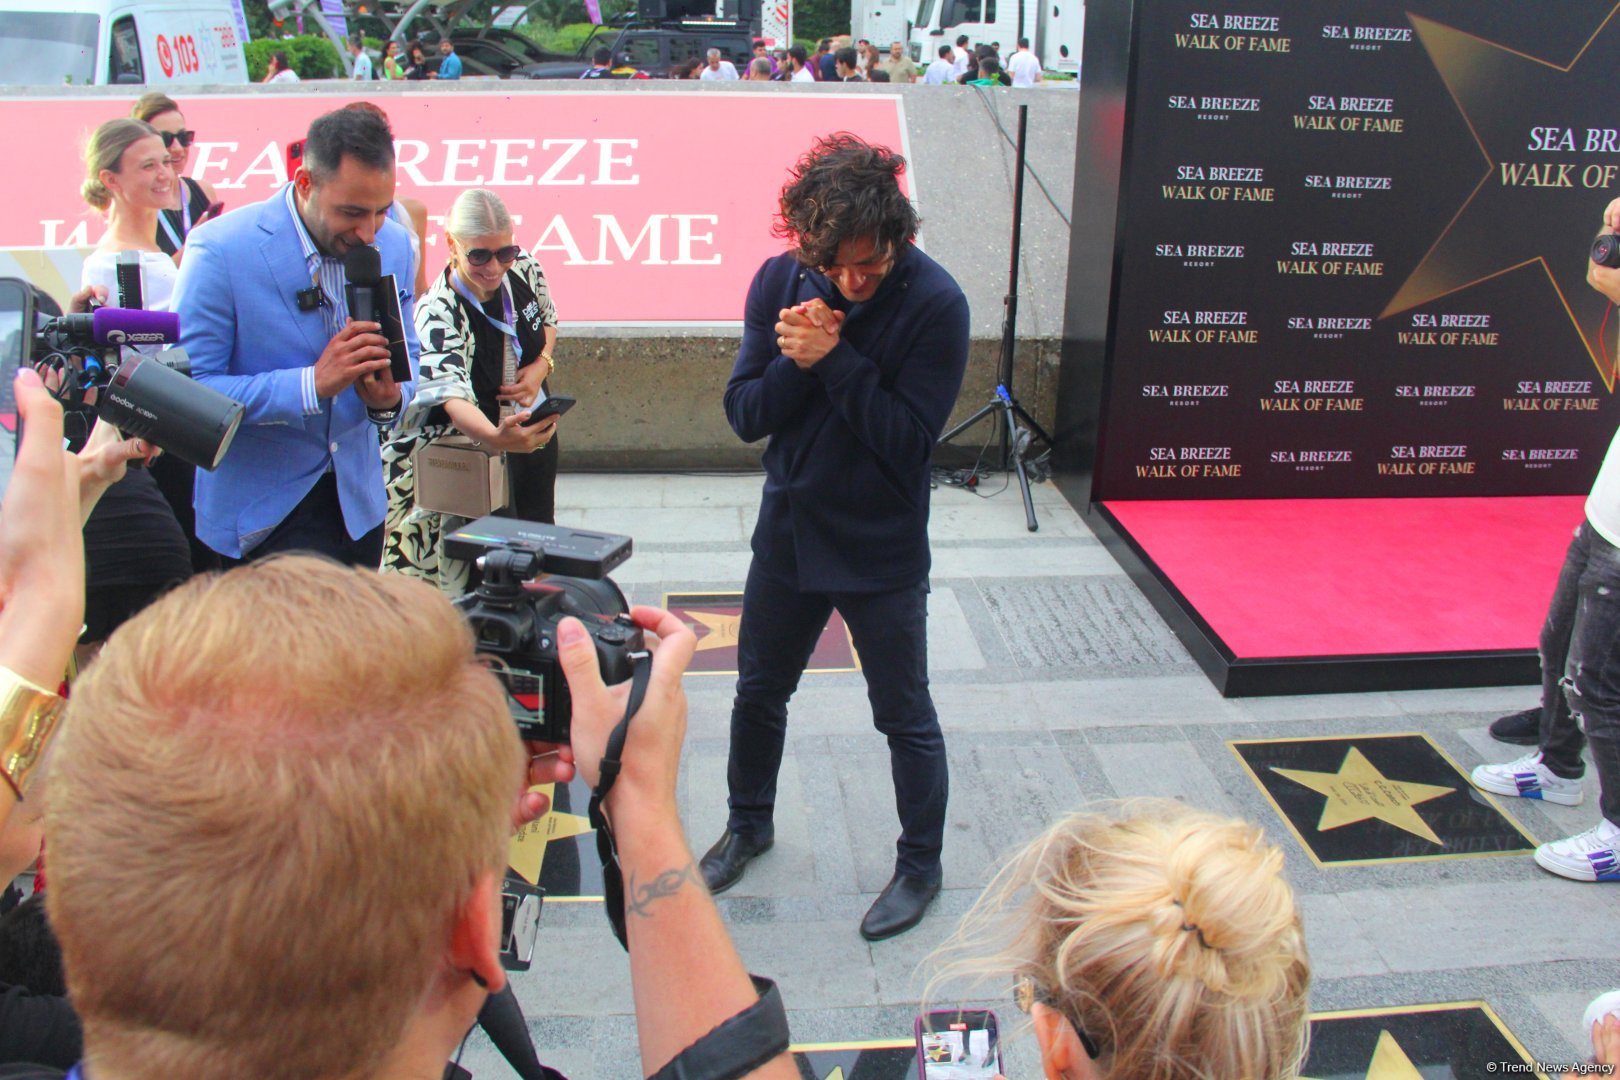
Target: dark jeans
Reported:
point(1580, 667)
point(780, 626)
point(316, 525)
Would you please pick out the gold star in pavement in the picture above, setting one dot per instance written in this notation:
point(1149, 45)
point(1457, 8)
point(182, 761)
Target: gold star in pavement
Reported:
point(527, 852)
point(1358, 791)
point(722, 629)
point(1389, 1061)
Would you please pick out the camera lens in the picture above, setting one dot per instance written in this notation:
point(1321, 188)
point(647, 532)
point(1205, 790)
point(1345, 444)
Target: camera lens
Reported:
point(1606, 250)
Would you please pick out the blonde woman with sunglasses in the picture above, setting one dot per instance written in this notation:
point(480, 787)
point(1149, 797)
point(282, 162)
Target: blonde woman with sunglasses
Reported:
point(488, 328)
point(1146, 941)
point(192, 198)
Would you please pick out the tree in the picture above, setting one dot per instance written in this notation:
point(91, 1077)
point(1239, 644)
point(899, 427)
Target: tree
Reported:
point(816, 19)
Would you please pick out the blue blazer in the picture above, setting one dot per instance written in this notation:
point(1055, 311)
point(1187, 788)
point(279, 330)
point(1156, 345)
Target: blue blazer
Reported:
point(239, 321)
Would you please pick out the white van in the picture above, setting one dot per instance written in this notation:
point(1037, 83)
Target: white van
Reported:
point(133, 42)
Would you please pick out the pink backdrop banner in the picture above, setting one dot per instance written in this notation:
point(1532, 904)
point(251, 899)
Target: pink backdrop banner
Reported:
point(643, 207)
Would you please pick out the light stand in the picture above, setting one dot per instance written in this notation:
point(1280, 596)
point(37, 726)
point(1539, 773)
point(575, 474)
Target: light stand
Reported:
point(1016, 437)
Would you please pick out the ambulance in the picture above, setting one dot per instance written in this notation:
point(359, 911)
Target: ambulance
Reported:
point(121, 42)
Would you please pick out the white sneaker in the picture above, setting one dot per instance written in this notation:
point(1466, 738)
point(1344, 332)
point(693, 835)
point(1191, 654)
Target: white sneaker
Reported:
point(1593, 855)
point(1527, 778)
point(1603, 1005)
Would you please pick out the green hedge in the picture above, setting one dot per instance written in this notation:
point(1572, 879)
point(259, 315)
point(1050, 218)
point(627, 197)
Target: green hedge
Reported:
point(562, 39)
point(313, 56)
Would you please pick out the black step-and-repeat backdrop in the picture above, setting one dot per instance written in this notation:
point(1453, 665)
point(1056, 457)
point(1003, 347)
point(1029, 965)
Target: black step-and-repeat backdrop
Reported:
point(1353, 250)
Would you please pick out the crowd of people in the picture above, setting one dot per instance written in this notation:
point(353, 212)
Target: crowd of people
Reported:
point(964, 64)
point(284, 714)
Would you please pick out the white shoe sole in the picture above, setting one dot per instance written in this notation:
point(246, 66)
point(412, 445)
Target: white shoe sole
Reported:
point(1511, 790)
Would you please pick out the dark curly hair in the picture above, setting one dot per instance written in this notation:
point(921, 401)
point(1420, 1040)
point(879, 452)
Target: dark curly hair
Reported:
point(845, 189)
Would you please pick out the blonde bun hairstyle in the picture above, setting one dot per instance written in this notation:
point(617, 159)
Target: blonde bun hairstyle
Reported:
point(1167, 934)
point(104, 150)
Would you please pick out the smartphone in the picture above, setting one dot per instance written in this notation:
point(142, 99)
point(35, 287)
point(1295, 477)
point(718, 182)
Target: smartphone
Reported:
point(295, 156)
point(555, 405)
point(958, 1044)
point(213, 211)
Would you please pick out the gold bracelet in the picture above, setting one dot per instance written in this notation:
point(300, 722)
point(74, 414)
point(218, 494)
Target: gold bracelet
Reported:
point(551, 365)
point(28, 715)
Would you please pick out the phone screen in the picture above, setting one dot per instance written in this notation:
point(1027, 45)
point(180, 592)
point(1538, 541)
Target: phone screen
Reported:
point(959, 1045)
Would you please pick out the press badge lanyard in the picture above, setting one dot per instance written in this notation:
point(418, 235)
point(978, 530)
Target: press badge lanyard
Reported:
point(505, 327)
point(178, 240)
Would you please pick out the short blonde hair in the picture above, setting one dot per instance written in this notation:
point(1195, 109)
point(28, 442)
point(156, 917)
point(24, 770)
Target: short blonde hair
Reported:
point(1167, 934)
point(272, 792)
point(104, 150)
point(477, 212)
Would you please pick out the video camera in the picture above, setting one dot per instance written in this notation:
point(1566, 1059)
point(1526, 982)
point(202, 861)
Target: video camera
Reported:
point(514, 617)
point(145, 394)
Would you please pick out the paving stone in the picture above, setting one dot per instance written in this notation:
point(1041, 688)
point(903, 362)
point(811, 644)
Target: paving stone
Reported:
point(951, 645)
point(1162, 770)
point(1434, 929)
point(1087, 622)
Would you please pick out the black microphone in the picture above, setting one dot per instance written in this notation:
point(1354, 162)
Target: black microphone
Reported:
point(362, 267)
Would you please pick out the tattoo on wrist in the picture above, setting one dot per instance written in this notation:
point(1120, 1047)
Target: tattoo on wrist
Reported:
point(643, 895)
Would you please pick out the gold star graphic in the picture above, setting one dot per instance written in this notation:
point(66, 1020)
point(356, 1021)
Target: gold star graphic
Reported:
point(1508, 222)
point(527, 852)
point(722, 629)
point(1389, 1061)
point(1358, 792)
point(836, 1074)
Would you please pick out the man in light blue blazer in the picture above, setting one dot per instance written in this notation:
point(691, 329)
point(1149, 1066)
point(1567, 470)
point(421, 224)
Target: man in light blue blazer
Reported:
point(264, 317)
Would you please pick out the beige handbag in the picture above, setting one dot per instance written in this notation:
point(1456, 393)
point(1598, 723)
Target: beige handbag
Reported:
point(455, 475)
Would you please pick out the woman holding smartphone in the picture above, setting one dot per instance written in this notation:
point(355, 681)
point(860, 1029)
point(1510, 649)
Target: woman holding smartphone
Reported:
point(487, 328)
point(192, 198)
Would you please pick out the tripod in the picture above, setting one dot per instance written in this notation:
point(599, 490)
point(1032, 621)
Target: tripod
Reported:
point(1003, 409)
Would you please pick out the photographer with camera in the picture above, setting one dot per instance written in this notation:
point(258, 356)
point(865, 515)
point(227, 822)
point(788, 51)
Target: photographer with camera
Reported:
point(1580, 660)
point(400, 787)
point(488, 329)
point(264, 315)
point(189, 748)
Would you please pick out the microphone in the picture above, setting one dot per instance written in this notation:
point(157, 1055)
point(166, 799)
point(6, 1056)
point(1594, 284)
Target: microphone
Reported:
point(132, 326)
point(119, 326)
point(362, 266)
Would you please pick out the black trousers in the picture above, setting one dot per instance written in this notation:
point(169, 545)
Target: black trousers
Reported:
point(780, 626)
point(533, 477)
point(316, 525)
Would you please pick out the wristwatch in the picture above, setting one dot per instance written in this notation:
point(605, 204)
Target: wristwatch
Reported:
point(28, 715)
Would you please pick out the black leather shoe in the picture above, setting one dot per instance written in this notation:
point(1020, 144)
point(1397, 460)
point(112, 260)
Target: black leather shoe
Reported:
point(1521, 728)
point(899, 907)
point(723, 864)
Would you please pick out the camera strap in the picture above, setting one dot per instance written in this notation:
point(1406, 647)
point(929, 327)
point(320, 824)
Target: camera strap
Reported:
point(607, 849)
point(740, 1044)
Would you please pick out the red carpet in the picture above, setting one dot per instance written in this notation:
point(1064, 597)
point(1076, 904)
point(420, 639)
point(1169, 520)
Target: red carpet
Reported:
point(1346, 577)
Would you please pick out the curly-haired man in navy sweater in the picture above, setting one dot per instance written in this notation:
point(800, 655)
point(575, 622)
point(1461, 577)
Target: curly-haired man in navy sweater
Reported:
point(854, 345)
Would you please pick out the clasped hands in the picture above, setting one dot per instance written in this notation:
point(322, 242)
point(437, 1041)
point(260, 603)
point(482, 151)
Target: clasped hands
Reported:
point(807, 332)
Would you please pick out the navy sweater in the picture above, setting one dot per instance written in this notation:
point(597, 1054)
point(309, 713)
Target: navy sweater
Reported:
point(845, 507)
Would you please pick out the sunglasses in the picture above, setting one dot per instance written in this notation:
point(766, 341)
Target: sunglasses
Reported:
point(481, 256)
point(184, 138)
point(1026, 992)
